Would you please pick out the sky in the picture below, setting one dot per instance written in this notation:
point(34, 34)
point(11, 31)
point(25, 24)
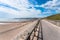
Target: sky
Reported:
point(28, 8)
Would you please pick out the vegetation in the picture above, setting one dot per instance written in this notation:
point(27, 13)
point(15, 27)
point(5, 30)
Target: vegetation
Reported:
point(54, 17)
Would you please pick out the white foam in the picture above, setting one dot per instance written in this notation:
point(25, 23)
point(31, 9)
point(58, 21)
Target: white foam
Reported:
point(4, 23)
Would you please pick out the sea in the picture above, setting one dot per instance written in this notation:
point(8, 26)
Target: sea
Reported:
point(5, 21)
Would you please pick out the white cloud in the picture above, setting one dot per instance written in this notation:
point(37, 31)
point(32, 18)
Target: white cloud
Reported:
point(22, 5)
point(53, 5)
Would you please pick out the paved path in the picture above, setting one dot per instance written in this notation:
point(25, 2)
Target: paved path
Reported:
point(50, 31)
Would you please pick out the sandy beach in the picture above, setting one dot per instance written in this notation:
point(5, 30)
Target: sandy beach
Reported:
point(11, 31)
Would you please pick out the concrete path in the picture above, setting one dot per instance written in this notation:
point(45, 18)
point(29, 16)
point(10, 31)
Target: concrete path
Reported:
point(50, 31)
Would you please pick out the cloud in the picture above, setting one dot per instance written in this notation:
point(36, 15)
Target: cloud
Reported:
point(52, 5)
point(7, 6)
point(50, 8)
point(18, 9)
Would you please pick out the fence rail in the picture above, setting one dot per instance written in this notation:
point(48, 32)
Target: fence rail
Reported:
point(34, 32)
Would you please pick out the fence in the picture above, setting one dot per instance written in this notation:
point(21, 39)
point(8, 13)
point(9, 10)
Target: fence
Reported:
point(37, 29)
point(33, 31)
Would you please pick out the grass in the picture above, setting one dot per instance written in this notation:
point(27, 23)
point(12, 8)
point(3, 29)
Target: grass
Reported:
point(54, 17)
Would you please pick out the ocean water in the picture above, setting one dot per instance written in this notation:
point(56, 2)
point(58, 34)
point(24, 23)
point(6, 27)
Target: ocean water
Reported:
point(3, 21)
